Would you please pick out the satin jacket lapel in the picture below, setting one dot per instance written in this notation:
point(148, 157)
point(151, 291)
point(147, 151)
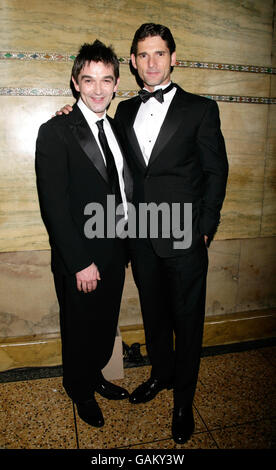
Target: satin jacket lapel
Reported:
point(85, 138)
point(174, 117)
point(126, 172)
point(131, 134)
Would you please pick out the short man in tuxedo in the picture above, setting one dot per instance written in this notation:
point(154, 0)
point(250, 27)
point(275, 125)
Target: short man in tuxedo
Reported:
point(177, 155)
point(79, 161)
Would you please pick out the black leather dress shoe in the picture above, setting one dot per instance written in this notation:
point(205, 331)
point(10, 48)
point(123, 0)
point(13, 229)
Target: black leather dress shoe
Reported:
point(182, 424)
point(148, 390)
point(90, 412)
point(112, 392)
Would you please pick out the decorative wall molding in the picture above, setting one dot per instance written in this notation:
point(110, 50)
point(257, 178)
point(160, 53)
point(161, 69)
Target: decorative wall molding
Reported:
point(15, 91)
point(9, 91)
point(57, 57)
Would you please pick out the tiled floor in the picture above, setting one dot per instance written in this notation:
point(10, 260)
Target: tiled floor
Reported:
point(234, 407)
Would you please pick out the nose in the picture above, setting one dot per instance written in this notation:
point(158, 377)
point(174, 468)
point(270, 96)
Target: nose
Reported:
point(97, 88)
point(151, 61)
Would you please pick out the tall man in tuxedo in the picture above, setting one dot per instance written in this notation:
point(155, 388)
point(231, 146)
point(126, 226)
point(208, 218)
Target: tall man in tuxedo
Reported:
point(177, 155)
point(79, 161)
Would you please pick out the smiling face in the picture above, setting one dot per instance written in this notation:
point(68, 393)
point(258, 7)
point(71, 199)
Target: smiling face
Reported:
point(153, 61)
point(96, 84)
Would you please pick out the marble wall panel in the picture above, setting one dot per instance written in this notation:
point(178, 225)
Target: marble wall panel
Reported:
point(241, 271)
point(257, 274)
point(273, 55)
point(21, 225)
point(223, 277)
point(241, 277)
point(268, 226)
point(28, 303)
point(35, 74)
point(236, 32)
point(218, 82)
point(244, 128)
point(273, 86)
point(130, 313)
point(43, 75)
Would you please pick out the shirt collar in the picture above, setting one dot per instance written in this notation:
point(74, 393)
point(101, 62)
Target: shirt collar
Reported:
point(159, 86)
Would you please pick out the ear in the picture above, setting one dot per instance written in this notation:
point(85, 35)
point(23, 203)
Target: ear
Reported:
point(133, 61)
point(117, 84)
point(75, 84)
point(173, 59)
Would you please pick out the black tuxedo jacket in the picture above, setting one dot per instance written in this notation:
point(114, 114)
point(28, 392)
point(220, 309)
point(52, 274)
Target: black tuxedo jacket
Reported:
point(188, 163)
point(70, 174)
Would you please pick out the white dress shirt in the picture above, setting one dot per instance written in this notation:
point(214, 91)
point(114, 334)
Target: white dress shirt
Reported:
point(149, 120)
point(91, 119)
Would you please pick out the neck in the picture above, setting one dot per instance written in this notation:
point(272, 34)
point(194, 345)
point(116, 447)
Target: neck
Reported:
point(152, 88)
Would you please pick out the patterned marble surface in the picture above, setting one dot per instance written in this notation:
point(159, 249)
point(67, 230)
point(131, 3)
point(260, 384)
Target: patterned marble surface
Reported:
point(212, 30)
point(244, 127)
point(269, 204)
point(215, 31)
point(52, 78)
point(234, 408)
point(241, 277)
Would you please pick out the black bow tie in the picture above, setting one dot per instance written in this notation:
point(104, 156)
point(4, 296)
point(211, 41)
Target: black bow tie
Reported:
point(158, 94)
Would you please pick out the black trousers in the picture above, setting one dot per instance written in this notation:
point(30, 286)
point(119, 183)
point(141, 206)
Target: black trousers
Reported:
point(88, 324)
point(172, 294)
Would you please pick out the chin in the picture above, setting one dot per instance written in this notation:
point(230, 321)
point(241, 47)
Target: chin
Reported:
point(153, 83)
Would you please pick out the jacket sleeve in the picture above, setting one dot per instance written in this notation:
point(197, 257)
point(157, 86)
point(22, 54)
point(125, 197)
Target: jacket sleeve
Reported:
point(53, 190)
point(214, 164)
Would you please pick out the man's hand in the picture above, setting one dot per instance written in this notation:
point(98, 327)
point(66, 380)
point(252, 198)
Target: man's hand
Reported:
point(88, 278)
point(205, 239)
point(65, 110)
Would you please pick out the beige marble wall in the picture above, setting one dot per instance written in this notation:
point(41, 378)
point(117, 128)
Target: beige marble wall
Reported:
point(242, 277)
point(249, 208)
point(241, 272)
point(233, 31)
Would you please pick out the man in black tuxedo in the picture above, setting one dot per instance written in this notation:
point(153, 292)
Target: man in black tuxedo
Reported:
point(78, 162)
point(177, 155)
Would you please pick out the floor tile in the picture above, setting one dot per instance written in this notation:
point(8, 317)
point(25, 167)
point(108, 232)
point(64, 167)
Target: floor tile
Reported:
point(235, 388)
point(36, 414)
point(125, 423)
point(201, 440)
point(128, 424)
point(246, 371)
point(270, 354)
point(258, 435)
point(234, 408)
point(116, 414)
point(112, 434)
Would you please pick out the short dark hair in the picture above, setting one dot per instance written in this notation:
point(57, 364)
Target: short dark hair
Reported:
point(152, 29)
point(96, 52)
